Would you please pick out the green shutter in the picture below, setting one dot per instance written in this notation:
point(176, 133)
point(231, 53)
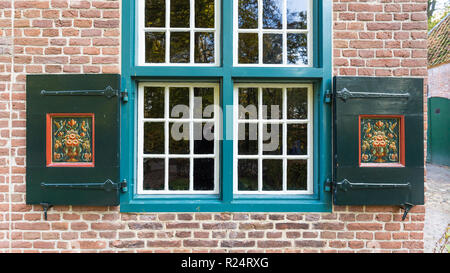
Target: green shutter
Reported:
point(73, 124)
point(378, 141)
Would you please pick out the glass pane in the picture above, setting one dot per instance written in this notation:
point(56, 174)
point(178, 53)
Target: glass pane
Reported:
point(272, 139)
point(297, 14)
point(204, 174)
point(204, 13)
point(272, 14)
point(154, 102)
point(155, 47)
point(272, 174)
point(272, 103)
point(297, 103)
point(155, 13)
point(179, 102)
point(204, 138)
point(248, 48)
point(297, 139)
point(154, 138)
point(297, 48)
point(297, 175)
point(203, 102)
point(179, 138)
point(180, 47)
point(204, 47)
point(179, 174)
point(248, 103)
point(273, 48)
point(179, 13)
point(248, 138)
point(154, 173)
point(248, 14)
point(248, 174)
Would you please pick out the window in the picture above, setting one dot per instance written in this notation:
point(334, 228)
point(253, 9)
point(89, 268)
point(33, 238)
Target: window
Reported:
point(264, 66)
point(177, 140)
point(178, 32)
point(272, 32)
point(273, 141)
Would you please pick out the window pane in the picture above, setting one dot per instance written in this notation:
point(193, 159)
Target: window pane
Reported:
point(297, 14)
point(204, 13)
point(272, 14)
point(297, 135)
point(248, 14)
point(204, 174)
point(203, 102)
point(297, 47)
point(272, 103)
point(248, 103)
point(204, 138)
point(154, 138)
point(179, 47)
point(248, 139)
point(297, 103)
point(179, 102)
point(273, 48)
point(179, 174)
point(297, 175)
point(155, 13)
point(155, 47)
point(154, 102)
point(248, 174)
point(179, 138)
point(272, 174)
point(204, 47)
point(179, 13)
point(154, 173)
point(248, 48)
point(272, 139)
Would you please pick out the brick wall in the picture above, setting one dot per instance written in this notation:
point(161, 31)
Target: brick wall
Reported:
point(371, 38)
point(439, 82)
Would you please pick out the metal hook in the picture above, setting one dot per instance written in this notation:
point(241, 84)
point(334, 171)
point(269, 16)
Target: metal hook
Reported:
point(46, 207)
point(407, 207)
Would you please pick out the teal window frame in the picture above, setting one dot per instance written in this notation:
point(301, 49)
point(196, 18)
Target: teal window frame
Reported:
point(320, 75)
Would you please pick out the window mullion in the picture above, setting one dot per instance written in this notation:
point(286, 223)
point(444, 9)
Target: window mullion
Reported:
point(285, 32)
point(167, 49)
point(260, 141)
point(260, 32)
point(166, 137)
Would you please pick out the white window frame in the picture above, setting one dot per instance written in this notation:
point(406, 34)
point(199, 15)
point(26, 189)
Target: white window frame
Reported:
point(260, 31)
point(284, 121)
point(141, 30)
point(191, 156)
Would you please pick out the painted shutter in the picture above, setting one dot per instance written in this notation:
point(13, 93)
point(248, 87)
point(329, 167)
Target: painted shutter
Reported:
point(73, 139)
point(378, 141)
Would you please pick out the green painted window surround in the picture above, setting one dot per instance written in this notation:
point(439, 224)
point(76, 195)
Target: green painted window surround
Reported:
point(320, 75)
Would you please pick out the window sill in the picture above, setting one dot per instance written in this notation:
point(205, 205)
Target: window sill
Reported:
point(215, 205)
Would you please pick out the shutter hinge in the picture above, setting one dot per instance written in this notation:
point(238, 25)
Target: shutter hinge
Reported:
point(124, 95)
point(328, 185)
point(123, 185)
point(328, 96)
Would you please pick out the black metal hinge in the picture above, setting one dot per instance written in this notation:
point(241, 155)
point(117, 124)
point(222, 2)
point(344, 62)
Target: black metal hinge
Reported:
point(345, 94)
point(124, 95)
point(108, 92)
point(108, 185)
point(328, 98)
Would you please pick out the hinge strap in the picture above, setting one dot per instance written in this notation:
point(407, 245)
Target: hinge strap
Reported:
point(346, 185)
point(108, 185)
point(345, 94)
point(108, 92)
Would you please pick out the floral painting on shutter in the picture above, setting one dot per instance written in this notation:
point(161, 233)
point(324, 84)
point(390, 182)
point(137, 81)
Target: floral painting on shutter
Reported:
point(381, 141)
point(70, 140)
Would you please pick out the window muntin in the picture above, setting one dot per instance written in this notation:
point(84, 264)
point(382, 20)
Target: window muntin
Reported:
point(281, 161)
point(178, 32)
point(272, 33)
point(178, 133)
